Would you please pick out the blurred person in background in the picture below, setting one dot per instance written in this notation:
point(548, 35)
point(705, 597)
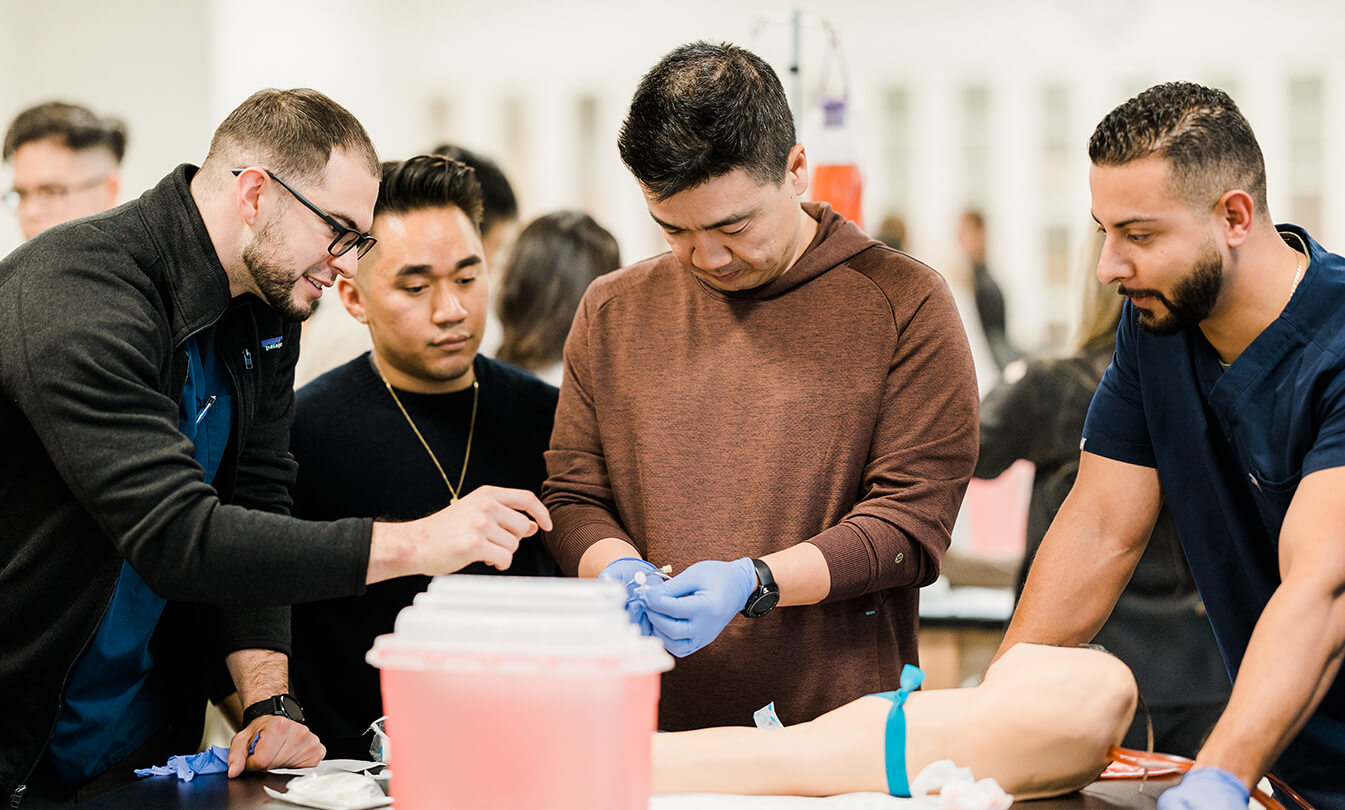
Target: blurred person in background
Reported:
point(892, 232)
point(551, 265)
point(1159, 626)
point(409, 427)
point(66, 162)
point(971, 237)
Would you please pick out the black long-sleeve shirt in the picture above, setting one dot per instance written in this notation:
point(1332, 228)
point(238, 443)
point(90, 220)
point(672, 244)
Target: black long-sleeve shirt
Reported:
point(358, 457)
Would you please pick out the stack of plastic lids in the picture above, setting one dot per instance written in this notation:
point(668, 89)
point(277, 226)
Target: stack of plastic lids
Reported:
point(486, 678)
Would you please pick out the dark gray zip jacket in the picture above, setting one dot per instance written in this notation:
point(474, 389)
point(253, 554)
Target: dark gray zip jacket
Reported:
point(94, 470)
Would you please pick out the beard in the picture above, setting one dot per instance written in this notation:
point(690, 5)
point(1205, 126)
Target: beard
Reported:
point(1193, 297)
point(274, 277)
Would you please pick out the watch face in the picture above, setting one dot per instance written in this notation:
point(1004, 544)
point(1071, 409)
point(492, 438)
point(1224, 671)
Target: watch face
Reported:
point(292, 708)
point(763, 604)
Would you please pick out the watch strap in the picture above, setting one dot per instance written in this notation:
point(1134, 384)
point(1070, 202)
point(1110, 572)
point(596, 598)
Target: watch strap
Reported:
point(284, 705)
point(765, 596)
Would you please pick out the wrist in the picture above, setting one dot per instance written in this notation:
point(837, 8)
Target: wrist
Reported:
point(762, 595)
point(392, 552)
point(282, 705)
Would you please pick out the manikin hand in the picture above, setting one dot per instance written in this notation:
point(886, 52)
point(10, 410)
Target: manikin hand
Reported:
point(1206, 789)
point(623, 570)
point(283, 744)
point(690, 610)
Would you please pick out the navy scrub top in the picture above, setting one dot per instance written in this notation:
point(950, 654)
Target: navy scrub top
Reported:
point(1230, 447)
point(111, 702)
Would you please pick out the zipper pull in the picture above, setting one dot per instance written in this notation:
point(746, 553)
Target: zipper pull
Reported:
point(16, 798)
point(247, 359)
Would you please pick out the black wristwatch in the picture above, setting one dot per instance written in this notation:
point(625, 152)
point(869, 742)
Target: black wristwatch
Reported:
point(283, 705)
point(766, 596)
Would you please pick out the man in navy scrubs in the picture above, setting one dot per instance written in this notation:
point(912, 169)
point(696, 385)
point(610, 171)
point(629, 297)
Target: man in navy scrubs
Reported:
point(1225, 397)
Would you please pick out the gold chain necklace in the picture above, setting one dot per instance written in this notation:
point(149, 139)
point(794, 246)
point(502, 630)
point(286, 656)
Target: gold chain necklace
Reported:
point(1299, 266)
point(476, 397)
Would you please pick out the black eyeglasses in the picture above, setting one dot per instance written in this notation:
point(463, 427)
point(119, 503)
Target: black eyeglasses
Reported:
point(346, 238)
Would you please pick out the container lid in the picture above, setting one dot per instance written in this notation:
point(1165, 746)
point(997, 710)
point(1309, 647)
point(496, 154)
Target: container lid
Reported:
point(498, 593)
point(519, 624)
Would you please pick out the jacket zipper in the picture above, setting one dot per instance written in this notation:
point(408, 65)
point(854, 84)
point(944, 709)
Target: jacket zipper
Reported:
point(16, 798)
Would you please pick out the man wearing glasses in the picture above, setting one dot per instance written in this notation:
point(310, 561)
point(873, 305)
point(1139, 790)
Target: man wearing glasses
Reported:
point(67, 164)
point(146, 394)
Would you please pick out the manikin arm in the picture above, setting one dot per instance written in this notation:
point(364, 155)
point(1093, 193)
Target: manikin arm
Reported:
point(1040, 724)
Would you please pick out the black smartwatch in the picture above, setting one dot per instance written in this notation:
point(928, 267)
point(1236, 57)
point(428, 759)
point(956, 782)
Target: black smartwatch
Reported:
point(766, 596)
point(283, 705)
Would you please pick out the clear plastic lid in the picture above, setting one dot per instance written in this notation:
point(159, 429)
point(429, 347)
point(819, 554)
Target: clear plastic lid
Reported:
point(519, 624)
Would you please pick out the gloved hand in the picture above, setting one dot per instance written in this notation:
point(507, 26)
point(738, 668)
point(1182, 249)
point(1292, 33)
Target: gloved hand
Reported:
point(623, 570)
point(690, 610)
point(1206, 788)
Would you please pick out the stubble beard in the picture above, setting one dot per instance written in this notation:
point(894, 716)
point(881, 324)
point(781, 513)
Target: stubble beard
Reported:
point(275, 280)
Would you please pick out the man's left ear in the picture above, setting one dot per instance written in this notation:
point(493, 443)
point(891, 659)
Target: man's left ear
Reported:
point(1237, 213)
point(797, 170)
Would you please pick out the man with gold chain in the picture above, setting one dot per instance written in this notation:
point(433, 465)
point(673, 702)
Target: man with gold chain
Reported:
point(407, 428)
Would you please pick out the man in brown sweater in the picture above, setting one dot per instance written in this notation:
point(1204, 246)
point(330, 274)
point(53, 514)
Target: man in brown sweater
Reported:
point(779, 408)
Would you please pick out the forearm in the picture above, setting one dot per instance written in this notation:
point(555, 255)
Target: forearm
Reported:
point(801, 573)
point(258, 674)
point(841, 752)
point(1293, 658)
point(602, 553)
point(1072, 586)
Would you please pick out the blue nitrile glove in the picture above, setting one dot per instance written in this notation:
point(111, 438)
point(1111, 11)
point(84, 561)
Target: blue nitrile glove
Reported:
point(214, 759)
point(693, 608)
point(623, 570)
point(1206, 788)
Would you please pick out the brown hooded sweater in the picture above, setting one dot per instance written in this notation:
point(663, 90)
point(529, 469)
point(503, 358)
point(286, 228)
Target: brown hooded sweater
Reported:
point(835, 405)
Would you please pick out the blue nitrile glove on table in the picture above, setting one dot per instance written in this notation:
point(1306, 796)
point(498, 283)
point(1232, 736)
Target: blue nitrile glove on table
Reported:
point(623, 570)
point(690, 610)
point(214, 759)
point(1206, 789)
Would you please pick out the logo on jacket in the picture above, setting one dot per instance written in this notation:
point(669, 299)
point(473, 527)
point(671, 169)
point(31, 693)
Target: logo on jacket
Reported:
point(273, 343)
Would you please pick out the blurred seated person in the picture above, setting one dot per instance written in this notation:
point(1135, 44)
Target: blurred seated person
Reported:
point(408, 428)
point(1159, 626)
point(1039, 724)
point(67, 164)
point(554, 260)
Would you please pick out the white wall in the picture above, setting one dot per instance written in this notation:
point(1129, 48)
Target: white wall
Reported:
point(418, 72)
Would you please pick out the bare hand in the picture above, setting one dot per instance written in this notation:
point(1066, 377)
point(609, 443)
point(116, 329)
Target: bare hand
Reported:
point(485, 526)
point(282, 743)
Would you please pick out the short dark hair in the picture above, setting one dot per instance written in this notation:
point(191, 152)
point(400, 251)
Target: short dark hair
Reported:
point(498, 203)
point(429, 181)
point(554, 260)
point(291, 132)
point(74, 126)
point(1198, 130)
point(703, 111)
